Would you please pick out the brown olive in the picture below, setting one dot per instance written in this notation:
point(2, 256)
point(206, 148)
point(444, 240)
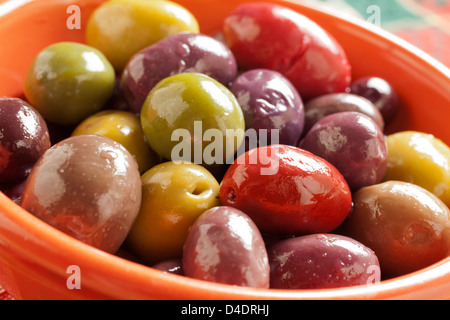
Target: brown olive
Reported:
point(87, 186)
point(407, 226)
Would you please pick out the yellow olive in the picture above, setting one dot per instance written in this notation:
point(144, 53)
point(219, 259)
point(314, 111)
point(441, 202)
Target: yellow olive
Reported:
point(421, 159)
point(174, 194)
point(125, 128)
point(120, 28)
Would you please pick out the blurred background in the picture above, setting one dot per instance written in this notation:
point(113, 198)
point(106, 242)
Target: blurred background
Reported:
point(424, 23)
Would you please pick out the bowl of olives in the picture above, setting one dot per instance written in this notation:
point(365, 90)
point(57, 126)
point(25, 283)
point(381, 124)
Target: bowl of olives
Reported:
point(235, 150)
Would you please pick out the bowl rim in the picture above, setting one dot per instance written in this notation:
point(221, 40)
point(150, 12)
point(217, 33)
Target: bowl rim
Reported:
point(113, 265)
point(19, 219)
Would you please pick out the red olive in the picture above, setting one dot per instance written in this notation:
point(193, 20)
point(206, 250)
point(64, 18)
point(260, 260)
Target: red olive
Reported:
point(264, 35)
point(287, 190)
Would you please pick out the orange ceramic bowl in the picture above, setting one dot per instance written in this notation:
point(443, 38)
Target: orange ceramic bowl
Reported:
point(34, 257)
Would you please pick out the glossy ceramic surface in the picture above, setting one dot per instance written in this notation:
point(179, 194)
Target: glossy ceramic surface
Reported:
point(35, 259)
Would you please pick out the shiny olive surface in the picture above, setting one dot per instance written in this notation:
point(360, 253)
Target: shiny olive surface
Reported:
point(327, 104)
point(120, 28)
point(192, 117)
point(87, 186)
point(320, 261)
point(271, 105)
point(380, 92)
point(184, 52)
point(353, 143)
point(173, 266)
point(421, 159)
point(287, 190)
point(125, 128)
point(68, 81)
point(266, 35)
point(173, 196)
point(407, 226)
point(225, 246)
point(24, 137)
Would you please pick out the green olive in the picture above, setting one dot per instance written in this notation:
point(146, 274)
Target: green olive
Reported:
point(125, 128)
point(173, 196)
point(120, 28)
point(68, 81)
point(192, 117)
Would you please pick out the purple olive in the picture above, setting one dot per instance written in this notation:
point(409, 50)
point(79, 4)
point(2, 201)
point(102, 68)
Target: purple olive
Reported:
point(184, 52)
point(269, 101)
point(320, 261)
point(325, 105)
point(225, 246)
point(353, 143)
point(24, 137)
point(380, 93)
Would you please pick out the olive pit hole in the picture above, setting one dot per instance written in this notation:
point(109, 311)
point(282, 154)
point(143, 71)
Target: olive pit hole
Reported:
point(200, 189)
point(231, 195)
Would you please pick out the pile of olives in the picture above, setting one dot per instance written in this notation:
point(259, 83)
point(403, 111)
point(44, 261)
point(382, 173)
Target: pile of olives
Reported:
point(249, 158)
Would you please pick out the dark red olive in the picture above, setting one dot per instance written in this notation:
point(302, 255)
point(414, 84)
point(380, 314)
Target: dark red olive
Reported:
point(225, 246)
point(24, 137)
point(380, 93)
point(321, 261)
